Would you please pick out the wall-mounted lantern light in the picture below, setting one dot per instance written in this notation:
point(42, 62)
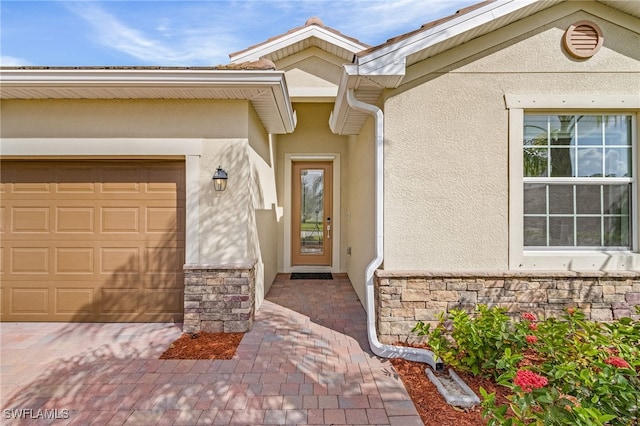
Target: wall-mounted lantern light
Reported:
point(220, 179)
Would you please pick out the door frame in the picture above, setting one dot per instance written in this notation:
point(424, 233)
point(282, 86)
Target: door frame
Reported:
point(290, 158)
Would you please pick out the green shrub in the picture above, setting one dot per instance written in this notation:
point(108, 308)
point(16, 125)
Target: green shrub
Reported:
point(564, 371)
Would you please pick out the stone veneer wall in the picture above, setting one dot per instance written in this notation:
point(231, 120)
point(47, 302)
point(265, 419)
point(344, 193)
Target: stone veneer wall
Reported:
point(404, 298)
point(219, 298)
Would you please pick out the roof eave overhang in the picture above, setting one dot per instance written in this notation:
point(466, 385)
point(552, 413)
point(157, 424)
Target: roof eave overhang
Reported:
point(266, 90)
point(344, 120)
point(378, 58)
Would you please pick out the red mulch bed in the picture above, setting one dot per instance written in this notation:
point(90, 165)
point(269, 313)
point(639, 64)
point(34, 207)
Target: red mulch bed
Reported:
point(204, 345)
point(430, 404)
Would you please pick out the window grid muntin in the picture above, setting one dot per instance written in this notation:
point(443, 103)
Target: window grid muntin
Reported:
point(626, 218)
point(602, 216)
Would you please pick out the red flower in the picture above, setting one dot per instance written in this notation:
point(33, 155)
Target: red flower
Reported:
point(531, 339)
point(571, 311)
point(528, 380)
point(529, 316)
point(617, 362)
point(533, 326)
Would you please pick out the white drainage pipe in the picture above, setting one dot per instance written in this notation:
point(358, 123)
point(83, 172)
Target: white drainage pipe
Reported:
point(380, 349)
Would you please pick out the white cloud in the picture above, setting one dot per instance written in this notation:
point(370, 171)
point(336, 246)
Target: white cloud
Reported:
point(174, 47)
point(12, 61)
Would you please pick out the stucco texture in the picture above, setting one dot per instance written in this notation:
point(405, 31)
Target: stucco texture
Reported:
point(162, 118)
point(360, 221)
point(446, 139)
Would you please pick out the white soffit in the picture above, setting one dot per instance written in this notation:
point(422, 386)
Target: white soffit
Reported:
point(299, 40)
point(266, 90)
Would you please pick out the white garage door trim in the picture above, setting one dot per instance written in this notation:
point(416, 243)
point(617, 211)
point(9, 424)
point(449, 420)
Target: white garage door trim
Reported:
point(190, 148)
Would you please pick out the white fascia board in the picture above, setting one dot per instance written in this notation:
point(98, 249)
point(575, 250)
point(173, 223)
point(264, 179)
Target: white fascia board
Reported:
point(348, 80)
point(378, 59)
point(59, 78)
point(285, 109)
point(328, 94)
point(100, 146)
point(569, 101)
point(298, 36)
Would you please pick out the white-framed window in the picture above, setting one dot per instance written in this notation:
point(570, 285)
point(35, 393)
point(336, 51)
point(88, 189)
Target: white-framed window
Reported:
point(578, 181)
point(573, 189)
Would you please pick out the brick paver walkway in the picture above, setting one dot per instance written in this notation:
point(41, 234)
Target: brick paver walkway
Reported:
point(306, 361)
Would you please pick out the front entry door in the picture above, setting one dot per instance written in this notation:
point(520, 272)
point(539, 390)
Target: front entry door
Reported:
point(312, 184)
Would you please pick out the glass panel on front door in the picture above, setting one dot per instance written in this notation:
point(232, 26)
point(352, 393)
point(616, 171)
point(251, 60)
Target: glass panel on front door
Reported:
point(311, 213)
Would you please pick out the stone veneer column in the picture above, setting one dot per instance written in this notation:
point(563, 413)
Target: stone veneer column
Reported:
point(219, 298)
point(405, 297)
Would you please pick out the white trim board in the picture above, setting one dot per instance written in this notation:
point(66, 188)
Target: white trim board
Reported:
point(99, 146)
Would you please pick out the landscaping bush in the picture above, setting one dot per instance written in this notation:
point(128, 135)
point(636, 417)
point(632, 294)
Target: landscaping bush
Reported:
point(561, 371)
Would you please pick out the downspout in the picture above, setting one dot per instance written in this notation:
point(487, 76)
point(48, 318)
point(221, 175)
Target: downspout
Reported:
point(378, 348)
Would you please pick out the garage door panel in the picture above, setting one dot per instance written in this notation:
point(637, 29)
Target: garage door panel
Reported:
point(163, 259)
point(119, 300)
point(74, 260)
point(169, 301)
point(120, 188)
point(75, 219)
point(162, 219)
point(29, 260)
point(29, 301)
point(120, 219)
point(120, 260)
point(96, 242)
point(75, 187)
point(30, 219)
point(164, 281)
point(72, 301)
point(30, 188)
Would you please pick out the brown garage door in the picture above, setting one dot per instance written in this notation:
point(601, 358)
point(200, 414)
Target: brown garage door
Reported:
point(92, 240)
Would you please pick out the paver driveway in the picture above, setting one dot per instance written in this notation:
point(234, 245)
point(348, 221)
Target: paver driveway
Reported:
point(306, 361)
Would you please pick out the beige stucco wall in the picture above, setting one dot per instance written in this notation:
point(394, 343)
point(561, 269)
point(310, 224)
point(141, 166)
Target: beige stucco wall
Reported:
point(123, 118)
point(360, 222)
point(224, 216)
point(262, 238)
point(311, 137)
point(446, 142)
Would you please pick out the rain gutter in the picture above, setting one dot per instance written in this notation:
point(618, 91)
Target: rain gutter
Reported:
point(378, 348)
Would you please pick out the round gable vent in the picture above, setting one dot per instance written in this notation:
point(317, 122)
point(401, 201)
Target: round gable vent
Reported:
point(583, 39)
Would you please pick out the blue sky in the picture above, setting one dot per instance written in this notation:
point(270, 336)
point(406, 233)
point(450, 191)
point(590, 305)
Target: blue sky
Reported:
point(187, 33)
